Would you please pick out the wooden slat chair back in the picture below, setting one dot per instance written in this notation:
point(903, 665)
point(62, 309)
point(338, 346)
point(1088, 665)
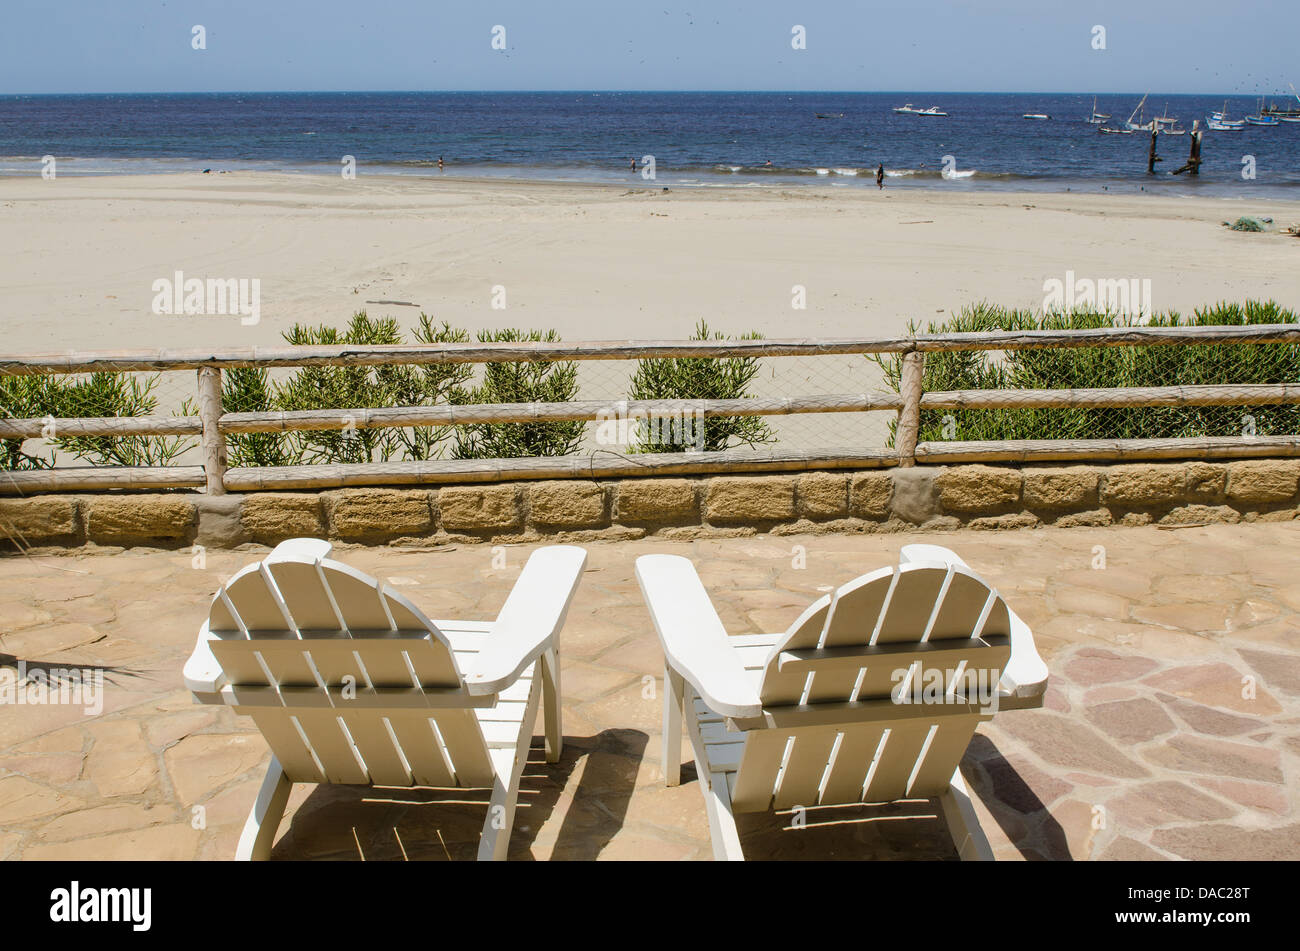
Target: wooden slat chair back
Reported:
point(841, 719)
point(348, 681)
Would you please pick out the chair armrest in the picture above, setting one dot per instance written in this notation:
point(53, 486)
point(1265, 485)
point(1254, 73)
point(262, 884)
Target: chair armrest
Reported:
point(202, 673)
point(529, 620)
point(1025, 675)
point(694, 641)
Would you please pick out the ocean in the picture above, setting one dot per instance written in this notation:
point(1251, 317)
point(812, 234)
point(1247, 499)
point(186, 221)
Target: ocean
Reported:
point(692, 140)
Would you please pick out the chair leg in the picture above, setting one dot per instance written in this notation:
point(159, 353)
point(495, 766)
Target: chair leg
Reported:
point(551, 714)
point(268, 809)
point(495, 841)
point(674, 691)
point(963, 823)
point(722, 822)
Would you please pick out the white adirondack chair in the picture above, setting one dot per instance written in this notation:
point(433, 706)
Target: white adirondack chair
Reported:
point(349, 682)
point(827, 713)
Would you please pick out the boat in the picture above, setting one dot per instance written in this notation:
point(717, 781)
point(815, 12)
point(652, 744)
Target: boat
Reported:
point(1220, 122)
point(1143, 126)
point(1260, 118)
point(829, 115)
point(1097, 118)
point(1107, 130)
point(1035, 115)
point(912, 110)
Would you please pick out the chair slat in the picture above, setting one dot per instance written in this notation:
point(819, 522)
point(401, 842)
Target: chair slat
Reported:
point(465, 746)
point(963, 605)
point(304, 595)
point(422, 749)
point(256, 604)
point(801, 779)
point(758, 768)
point(912, 602)
point(944, 753)
point(382, 759)
point(326, 736)
point(282, 736)
point(894, 770)
point(357, 598)
point(852, 761)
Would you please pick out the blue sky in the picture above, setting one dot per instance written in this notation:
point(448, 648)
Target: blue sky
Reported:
point(1188, 46)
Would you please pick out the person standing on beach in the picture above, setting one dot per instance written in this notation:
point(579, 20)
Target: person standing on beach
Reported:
point(632, 165)
point(880, 175)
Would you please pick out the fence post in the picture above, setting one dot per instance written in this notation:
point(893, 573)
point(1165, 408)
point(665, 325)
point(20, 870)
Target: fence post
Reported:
point(212, 442)
point(909, 417)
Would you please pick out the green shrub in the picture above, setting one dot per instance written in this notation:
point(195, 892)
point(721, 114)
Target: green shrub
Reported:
point(99, 394)
point(522, 382)
point(331, 387)
point(699, 378)
point(1091, 367)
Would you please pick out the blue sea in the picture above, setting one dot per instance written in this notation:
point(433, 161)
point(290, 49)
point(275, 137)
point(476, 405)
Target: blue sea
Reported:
point(697, 140)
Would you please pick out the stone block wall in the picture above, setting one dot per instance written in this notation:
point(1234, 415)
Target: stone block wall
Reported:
point(924, 498)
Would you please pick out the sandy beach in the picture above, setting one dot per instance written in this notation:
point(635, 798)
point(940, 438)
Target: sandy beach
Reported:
point(80, 255)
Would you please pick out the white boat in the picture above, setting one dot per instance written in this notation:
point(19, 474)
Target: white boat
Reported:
point(912, 110)
point(1259, 118)
point(1220, 122)
point(1097, 118)
point(1139, 126)
point(1035, 115)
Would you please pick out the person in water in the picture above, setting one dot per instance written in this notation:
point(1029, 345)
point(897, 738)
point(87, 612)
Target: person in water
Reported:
point(880, 175)
point(631, 164)
point(440, 163)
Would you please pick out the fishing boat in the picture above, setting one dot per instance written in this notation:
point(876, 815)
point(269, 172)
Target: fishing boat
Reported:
point(1260, 118)
point(1142, 126)
point(1035, 115)
point(1220, 122)
point(1107, 130)
point(1097, 118)
point(912, 110)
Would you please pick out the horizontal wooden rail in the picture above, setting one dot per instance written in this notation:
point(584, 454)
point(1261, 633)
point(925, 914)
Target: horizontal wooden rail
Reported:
point(95, 478)
point(1108, 450)
point(1252, 394)
point(596, 465)
point(413, 354)
point(101, 426)
point(444, 415)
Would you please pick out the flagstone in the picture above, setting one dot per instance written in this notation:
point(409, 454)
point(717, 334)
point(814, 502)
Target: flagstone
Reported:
point(1222, 842)
point(1215, 685)
point(1091, 665)
point(167, 843)
point(1130, 721)
point(200, 765)
point(1164, 802)
point(1064, 742)
point(1257, 796)
point(104, 819)
point(22, 800)
point(1205, 719)
point(1279, 671)
point(1198, 754)
point(1125, 849)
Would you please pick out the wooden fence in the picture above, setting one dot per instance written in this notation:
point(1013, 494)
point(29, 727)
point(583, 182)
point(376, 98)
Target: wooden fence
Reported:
point(212, 424)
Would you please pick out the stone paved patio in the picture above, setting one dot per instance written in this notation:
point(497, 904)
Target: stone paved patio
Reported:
point(1171, 729)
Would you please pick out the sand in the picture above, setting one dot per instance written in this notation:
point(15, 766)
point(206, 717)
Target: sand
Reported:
point(80, 255)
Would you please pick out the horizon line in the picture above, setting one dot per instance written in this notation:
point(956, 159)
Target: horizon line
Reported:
point(787, 92)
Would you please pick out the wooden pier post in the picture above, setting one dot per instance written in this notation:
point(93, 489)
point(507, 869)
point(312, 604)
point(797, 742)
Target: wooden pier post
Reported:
point(1194, 159)
point(909, 417)
point(1152, 158)
point(212, 442)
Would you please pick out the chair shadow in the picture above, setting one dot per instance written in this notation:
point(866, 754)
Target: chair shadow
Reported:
point(371, 823)
point(1022, 816)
